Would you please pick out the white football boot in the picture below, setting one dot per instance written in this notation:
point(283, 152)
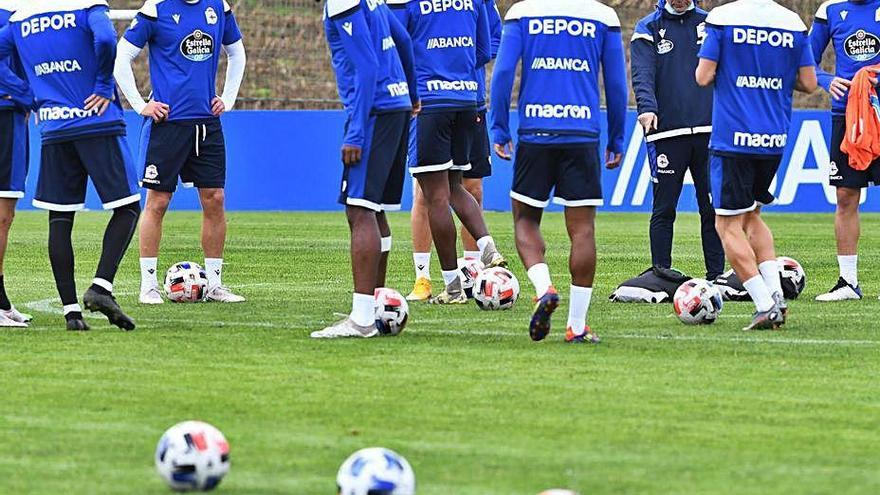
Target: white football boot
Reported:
point(15, 315)
point(345, 329)
point(151, 296)
point(222, 294)
point(843, 291)
point(7, 322)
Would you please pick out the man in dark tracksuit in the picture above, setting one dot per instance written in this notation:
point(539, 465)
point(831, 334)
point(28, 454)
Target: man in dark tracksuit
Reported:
point(677, 117)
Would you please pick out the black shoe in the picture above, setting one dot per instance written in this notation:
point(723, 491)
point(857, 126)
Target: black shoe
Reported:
point(107, 305)
point(77, 325)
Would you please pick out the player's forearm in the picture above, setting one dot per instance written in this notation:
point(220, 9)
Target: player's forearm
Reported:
point(643, 76)
point(616, 90)
point(15, 88)
point(499, 113)
point(364, 95)
point(484, 39)
point(126, 53)
point(236, 58)
point(405, 51)
point(105, 51)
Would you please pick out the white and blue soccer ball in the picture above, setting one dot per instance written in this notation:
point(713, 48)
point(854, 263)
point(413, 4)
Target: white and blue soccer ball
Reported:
point(698, 302)
point(186, 282)
point(496, 289)
point(192, 456)
point(376, 470)
point(392, 311)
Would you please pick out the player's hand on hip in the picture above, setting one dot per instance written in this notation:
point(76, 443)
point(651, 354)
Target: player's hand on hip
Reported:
point(504, 151)
point(874, 80)
point(839, 87)
point(157, 111)
point(612, 159)
point(648, 121)
point(351, 155)
point(417, 108)
point(99, 103)
point(217, 106)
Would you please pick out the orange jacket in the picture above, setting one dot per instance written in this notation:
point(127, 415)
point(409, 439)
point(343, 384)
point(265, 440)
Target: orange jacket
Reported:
point(862, 140)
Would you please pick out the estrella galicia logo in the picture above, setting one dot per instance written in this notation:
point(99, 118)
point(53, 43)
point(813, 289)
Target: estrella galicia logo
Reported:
point(862, 46)
point(665, 46)
point(198, 46)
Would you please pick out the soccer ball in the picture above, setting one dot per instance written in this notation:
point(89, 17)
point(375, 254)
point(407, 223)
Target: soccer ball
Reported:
point(192, 456)
point(185, 282)
point(698, 302)
point(376, 470)
point(468, 270)
point(496, 289)
point(392, 311)
point(794, 280)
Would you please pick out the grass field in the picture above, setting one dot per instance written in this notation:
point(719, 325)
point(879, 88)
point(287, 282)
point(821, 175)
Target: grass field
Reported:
point(477, 408)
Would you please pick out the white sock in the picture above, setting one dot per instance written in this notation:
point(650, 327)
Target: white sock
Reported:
point(471, 255)
point(540, 276)
point(484, 242)
point(450, 276)
point(578, 308)
point(105, 284)
point(759, 292)
point(422, 262)
point(849, 269)
point(363, 309)
point(386, 244)
point(148, 274)
point(770, 271)
point(214, 269)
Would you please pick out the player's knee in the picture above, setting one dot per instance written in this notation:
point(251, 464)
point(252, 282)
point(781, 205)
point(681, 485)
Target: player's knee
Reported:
point(6, 218)
point(213, 201)
point(848, 199)
point(157, 204)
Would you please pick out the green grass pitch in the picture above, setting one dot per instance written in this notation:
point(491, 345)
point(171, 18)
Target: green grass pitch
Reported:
point(658, 408)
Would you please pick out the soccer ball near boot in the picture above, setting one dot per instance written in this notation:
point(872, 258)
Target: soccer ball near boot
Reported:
point(496, 289)
point(697, 302)
point(468, 270)
point(376, 470)
point(192, 456)
point(794, 279)
point(392, 311)
point(186, 282)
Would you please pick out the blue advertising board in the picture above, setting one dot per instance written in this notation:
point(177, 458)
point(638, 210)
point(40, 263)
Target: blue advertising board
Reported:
point(289, 161)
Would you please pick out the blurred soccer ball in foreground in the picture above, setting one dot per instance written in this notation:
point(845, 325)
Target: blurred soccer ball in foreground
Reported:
point(186, 282)
point(392, 311)
point(496, 289)
point(697, 302)
point(376, 471)
point(192, 456)
point(794, 279)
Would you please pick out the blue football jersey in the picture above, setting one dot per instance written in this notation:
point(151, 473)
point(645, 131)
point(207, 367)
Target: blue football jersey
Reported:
point(369, 50)
point(563, 46)
point(853, 27)
point(452, 42)
point(184, 41)
point(760, 47)
point(7, 7)
point(67, 49)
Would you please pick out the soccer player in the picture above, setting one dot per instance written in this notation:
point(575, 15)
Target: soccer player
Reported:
point(756, 52)
point(676, 115)
point(372, 56)
point(452, 41)
point(481, 167)
point(67, 51)
point(13, 167)
point(182, 136)
point(563, 44)
point(854, 29)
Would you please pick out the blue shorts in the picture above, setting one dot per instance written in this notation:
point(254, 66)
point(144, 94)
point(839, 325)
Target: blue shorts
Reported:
point(572, 172)
point(442, 141)
point(481, 163)
point(376, 183)
point(65, 168)
point(14, 153)
point(193, 151)
point(740, 184)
